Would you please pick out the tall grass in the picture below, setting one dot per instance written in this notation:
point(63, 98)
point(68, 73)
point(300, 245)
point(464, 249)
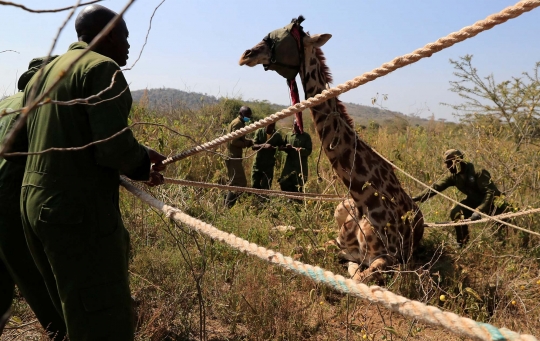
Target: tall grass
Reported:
point(188, 287)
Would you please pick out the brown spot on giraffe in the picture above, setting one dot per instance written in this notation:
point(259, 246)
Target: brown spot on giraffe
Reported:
point(313, 74)
point(347, 138)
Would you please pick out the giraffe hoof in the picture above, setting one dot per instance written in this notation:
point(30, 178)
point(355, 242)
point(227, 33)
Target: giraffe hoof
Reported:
point(353, 269)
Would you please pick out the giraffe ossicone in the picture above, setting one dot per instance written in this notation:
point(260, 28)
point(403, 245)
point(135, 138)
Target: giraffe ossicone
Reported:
point(379, 225)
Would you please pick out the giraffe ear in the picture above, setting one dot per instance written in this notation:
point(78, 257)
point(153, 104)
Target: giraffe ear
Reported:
point(317, 40)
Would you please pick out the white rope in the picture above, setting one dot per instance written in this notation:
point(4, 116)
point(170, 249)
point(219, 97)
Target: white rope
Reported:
point(427, 314)
point(305, 195)
point(336, 198)
point(486, 216)
point(398, 62)
point(485, 220)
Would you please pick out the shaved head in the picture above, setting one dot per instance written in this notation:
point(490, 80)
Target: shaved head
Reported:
point(92, 20)
point(245, 111)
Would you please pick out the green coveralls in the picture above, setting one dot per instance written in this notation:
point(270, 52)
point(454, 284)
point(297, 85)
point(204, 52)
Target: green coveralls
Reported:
point(295, 171)
point(262, 171)
point(479, 189)
point(237, 176)
point(69, 200)
point(235, 170)
point(16, 263)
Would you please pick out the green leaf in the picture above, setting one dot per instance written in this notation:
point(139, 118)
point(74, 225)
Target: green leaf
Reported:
point(391, 330)
point(473, 293)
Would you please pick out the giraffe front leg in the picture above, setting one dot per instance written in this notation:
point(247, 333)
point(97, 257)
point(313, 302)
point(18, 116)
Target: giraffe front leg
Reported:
point(353, 269)
point(373, 272)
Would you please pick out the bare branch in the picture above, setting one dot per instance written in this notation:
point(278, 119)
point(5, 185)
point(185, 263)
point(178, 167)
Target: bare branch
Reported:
point(146, 38)
point(24, 114)
point(40, 73)
point(88, 99)
point(96, 142)
point(9, 3)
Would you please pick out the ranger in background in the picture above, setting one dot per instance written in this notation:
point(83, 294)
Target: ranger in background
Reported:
point(295, 171)
point(235, 169)
point(267, 140)
point(477, 185)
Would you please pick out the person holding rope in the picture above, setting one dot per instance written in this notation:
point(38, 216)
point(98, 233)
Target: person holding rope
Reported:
point(17, 266)
point(295, 171)
point(235, 169)
point(70, 199)
point(267, 140)
point(477, 185)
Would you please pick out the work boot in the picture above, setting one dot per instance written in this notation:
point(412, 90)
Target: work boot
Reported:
point(462, 234)
point(4, 319)
point(230, 200)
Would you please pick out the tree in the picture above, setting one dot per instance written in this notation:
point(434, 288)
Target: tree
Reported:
point(513, 104)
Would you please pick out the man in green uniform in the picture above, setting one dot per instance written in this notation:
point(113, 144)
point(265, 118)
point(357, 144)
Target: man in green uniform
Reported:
point(266, 140)
point(235, 170)
point(475, 184)
point(69, 199)
point(16, 264)
point(295, 171)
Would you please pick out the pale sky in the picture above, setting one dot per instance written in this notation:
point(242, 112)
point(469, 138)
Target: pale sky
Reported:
point(196, 45)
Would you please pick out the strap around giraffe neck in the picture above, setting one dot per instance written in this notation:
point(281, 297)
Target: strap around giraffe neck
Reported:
point(296, 99)
point(293, 88)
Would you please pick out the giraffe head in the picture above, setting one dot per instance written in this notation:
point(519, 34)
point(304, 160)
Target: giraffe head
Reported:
point(282, 50)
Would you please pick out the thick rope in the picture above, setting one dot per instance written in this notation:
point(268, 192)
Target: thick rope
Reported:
point(308, 196)
point(486, 216)
point(484, 220)
point(335, 198)
point(427, 314)
point(398, 62)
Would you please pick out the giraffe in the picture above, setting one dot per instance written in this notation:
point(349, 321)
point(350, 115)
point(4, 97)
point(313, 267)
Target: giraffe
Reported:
point(379, 225)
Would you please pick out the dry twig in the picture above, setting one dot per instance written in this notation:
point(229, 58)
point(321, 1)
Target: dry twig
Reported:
point(9, 3)
point(34, 102)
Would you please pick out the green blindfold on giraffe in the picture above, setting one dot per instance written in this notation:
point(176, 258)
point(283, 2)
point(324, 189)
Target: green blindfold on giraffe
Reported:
point(285, 56)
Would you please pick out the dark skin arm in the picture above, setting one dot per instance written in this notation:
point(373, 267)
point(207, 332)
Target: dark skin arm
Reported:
point(286, 148)
point(262, 146)
point(156, 178)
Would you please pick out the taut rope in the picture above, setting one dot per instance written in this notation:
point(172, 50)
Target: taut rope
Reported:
point(398, 62)
point(427, 314)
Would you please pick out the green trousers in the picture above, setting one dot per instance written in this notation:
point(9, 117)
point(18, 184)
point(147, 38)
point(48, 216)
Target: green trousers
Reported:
point(18, 268)
point(291, 183)
point(237, 177)
point(235, 171)
point(262, 179)
point(80, 246)
point(457, 213)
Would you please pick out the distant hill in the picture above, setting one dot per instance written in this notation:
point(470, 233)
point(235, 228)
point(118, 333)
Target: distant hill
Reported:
point(363, 114)
point(165, 98)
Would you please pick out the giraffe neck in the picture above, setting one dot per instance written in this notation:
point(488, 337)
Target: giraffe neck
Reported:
point(367, 176)
point(315, 77)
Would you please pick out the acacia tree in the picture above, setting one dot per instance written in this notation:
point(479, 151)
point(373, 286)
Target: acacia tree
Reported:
point(511, 107)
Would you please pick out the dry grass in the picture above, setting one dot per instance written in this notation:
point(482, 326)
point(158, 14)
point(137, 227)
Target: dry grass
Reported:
point(189, 287)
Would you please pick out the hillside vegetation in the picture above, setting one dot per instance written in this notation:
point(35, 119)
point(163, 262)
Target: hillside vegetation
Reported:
point(163, 99)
